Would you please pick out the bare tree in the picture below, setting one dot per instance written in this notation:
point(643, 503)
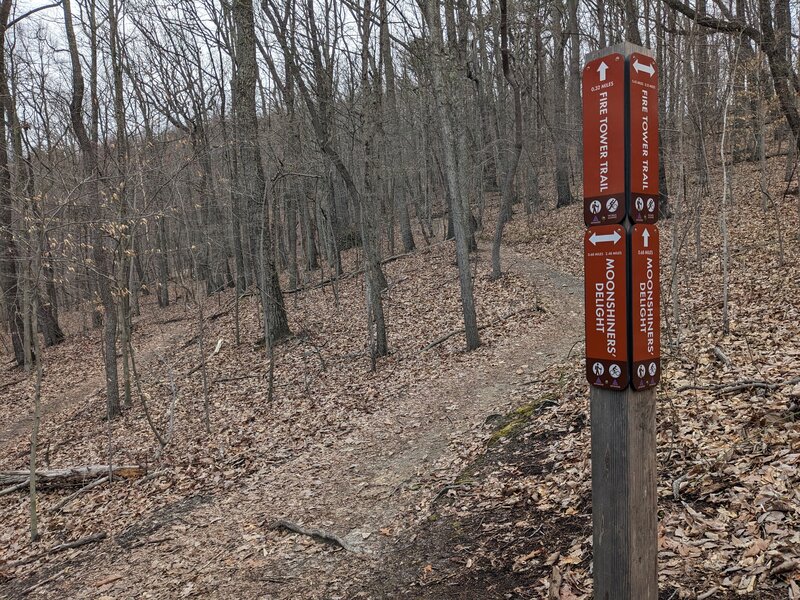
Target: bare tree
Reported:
point(441, 77)
point(249, 183)
point(511, 169)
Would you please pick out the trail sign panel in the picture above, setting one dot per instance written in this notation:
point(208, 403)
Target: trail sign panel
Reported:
point(604, 140)
point(645, 303)
point(643, 197)
point(606, 307)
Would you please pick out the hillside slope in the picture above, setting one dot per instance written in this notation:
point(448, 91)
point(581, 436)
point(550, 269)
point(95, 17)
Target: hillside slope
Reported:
point(414, 466)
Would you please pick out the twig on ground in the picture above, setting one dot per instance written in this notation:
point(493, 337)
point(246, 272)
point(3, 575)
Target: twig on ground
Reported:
point(109, 579)
point(149, 477)
point(146, 542)
point(12, 383)
point(708, 594)
point(447, 488)
point(569, 354)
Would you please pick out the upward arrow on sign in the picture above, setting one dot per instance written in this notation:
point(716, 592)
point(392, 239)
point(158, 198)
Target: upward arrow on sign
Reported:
point(646, 238)
point(643, 67)
point(602, 70)
point(608, 237)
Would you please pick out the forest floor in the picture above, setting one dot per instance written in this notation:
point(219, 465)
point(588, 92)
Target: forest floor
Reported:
point(445, 474)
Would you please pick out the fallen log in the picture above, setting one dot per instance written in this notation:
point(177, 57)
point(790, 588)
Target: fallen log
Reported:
point(738, 386)
point(71, 475)
point(318, 534)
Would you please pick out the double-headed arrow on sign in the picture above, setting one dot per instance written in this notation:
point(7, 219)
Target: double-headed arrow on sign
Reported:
point(597, 238)
point(643, 67)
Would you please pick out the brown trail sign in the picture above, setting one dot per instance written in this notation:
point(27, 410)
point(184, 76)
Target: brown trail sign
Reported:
point(645, 303)
point(604, 140)
point(621, 266)
point(605, 264)
point(643, 86)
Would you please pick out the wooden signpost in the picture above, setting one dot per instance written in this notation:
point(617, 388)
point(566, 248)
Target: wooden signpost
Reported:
point(621, 266)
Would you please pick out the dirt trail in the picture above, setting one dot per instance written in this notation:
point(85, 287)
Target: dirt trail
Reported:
point(376, 482)
point(93, 383)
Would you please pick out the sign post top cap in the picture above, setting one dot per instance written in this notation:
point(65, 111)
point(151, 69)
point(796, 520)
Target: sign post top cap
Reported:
point(624, 48)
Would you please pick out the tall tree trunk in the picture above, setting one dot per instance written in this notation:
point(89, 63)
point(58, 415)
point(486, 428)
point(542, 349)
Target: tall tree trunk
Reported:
point(291, 234)
point(249, 181)
point(632, 22)
point(91, 175)
point(393, 146)
point(575, 110)
point(558, 130)
point(511, 171)
point(444, 113)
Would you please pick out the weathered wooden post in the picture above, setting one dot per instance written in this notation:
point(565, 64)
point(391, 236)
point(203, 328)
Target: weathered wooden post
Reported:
point(621, 264)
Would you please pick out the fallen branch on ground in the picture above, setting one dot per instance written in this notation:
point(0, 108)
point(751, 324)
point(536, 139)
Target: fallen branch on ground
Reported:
point(82, 490)
point(109, 579)
point(228, 306)
point(708, 594)
point(13, 488)
point(11, 383)
point(385, 261)
point(152, 541)
point(239, 378)
point(499, 321)
point(738, 386)
point(200, 366)
point(71, 475)
point(150, 477)
point(60, 548)
point(43, 582)
point(318, 534)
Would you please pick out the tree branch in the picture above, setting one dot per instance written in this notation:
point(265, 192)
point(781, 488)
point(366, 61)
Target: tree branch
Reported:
point(721, 25)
